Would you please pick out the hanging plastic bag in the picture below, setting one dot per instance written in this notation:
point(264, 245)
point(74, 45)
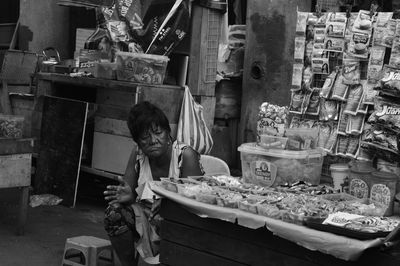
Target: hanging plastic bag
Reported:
point(192, 128)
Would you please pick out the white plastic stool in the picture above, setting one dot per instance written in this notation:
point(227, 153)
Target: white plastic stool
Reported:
point(88, 246)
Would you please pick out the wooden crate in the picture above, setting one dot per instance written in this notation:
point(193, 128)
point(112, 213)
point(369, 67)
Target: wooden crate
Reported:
point(15, 170)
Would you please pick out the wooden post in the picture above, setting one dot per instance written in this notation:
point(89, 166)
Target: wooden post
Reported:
point(268, 63)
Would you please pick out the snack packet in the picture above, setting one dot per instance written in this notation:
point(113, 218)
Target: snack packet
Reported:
point(296, 103)
point(363, 22)
point(313, 104)
point(377, 55)
point(328, 84)
point(324, 133)
point(351, 72)
point(335, 29)
point(343, 121)
point(363, 107)
point(354, 99)
point(339, 91)
point(301, 23)
point(328, 110)
point(297, 76)
point(369, 92)
point(386, 113)
point(271, 121)
point(299, 48)
point(330, 143)
point(358, 46)
point(307, 78)
point(356, 124)
point(342, 143)
point(353, 146)
point(394, 60)
point(390, 81)
point(334, 44)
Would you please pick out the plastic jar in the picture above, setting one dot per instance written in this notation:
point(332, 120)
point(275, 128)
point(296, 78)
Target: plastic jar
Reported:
point(359, 182)
point(383, 189)
point(339, 173)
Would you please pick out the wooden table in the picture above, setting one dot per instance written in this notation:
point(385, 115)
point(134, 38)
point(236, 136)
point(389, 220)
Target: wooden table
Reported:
point(188, 239)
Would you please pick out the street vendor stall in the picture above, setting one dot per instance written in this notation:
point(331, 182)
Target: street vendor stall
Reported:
point(198, 233)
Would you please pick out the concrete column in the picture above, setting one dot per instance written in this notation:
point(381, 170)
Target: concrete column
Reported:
point(268, 62)
point(44, 23)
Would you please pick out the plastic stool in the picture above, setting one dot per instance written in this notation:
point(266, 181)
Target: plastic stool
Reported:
point(89, 246)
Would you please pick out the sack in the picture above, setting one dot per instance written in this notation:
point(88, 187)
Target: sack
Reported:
point(192, 128)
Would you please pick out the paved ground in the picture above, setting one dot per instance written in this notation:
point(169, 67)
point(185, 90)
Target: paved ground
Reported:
point(47, 228)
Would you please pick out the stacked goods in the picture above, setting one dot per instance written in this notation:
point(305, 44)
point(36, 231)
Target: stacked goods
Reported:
point(294, 206)
point(342, 62)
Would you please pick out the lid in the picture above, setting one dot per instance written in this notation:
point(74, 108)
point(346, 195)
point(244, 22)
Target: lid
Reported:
point(145, 56)
point(362, 169)
point(384, 175)
point(253, 148)
point(339, 166)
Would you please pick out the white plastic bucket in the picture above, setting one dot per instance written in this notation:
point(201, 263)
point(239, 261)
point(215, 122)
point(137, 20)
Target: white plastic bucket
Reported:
point(339, 173)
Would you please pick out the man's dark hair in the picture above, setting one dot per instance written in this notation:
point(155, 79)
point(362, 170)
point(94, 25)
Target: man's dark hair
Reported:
point(144, 116)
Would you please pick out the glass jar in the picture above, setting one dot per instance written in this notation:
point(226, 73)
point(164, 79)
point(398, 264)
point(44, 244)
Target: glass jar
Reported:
point(359, 182)
point(383, 189)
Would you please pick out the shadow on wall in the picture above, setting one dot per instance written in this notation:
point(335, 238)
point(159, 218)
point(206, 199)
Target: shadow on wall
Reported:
point(25, 37)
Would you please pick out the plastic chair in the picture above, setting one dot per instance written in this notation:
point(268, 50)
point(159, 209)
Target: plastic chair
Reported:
point(87, 249)
point(214, 166)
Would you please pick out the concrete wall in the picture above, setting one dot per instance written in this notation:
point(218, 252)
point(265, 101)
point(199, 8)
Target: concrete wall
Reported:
point(43, 23)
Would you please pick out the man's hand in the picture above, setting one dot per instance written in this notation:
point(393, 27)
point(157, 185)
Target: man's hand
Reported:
point(121, 193)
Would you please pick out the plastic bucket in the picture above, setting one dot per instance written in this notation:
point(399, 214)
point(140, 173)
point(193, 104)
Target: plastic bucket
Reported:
point(339, 173)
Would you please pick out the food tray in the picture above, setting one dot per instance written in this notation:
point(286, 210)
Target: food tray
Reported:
point(316, 223)
point(339, 197)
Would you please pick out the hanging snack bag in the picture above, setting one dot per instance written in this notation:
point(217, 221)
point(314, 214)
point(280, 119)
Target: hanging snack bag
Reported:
point(271, 123)
point(363, 21)
point(328, 110)
point(390, 82)
point(343, 122)
point(334, 44)
point(301, 23)
point(299, 48)
point(358, 46)
point(297, 76)
point(342, 143)
point(351, 72)
point(307, 78)
point(331, 142)
point(369, 92)
point(394, 60)
point(353, 146)
point(313, 104)
point(308, 53)
point(324, 133)
point(296, 102)
point(385, 35)
point(335, 29)
point(377, 55)
point(354, 99)
point(320, 65)
point(319, 36)
point(386, 113)
point(328, 84)
point(363, 107)
point(356, 124)
point(340, 89)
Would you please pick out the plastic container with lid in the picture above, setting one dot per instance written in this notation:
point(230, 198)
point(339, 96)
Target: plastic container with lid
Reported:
point(340, 172)
point(359, 183)
point(273, 167)
point(383, 189)
point(141, 68)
